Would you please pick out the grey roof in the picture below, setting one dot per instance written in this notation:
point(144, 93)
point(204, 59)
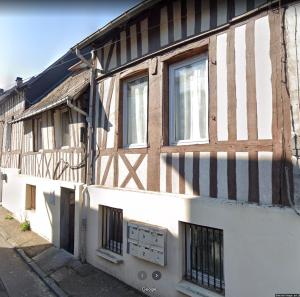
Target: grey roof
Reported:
point(70, 88)
point(115, 23)
point(15, 89)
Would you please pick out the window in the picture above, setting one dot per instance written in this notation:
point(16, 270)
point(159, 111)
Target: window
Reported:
point(30, 197)
point(37, 134)
point(188, 91)
point(65, 129)
point(204, 257)
point(112, 229)
point(8, 131)
point(135, 112)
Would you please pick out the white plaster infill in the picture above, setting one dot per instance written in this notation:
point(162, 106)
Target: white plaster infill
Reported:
point(193, 290)
point(109, 256)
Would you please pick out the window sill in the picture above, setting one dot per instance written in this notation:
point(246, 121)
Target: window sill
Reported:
point(182, 142)
point(32, 210)
point(109, 256)
point(193, 290)
point(134, 146)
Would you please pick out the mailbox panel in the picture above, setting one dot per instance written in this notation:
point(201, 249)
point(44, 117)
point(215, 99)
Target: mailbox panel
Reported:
point(147, 242)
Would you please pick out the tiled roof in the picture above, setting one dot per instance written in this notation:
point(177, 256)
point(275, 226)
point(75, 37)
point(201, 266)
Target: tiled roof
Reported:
point(73, 86)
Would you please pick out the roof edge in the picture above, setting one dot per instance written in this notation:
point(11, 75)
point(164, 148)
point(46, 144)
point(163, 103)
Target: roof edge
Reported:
point(115, 23)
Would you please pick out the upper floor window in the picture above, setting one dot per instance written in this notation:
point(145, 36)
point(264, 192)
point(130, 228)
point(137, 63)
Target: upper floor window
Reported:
point(8, 132)
point(188, 91)
point(135, 112)
point(37, 134)
point(65, 129)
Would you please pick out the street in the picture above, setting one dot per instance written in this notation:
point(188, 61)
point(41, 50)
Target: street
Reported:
point(16, 278)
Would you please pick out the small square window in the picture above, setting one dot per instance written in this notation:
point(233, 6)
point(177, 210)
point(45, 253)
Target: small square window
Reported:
point(188, 93)
point(112, 229)
point(204, 257)
point(30, 197)
point(135, 112)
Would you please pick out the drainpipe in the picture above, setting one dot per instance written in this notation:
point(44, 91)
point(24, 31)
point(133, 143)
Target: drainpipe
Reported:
point(88, 180)
point(83, 224)
point(90, 122)
point(77, 109)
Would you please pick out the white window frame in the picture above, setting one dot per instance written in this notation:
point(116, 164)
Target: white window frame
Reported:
point(125, 118)
point(172, 69)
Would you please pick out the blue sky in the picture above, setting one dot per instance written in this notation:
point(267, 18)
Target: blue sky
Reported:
point(35, 35)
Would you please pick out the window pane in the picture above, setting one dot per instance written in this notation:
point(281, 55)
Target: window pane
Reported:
point(190, 101)
point(137, 103)
point(112, 229)
point(204, 256)
point(37, 130)
point(65, 128)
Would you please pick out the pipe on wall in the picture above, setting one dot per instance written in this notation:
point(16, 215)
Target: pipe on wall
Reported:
point(77, 109)
point(89, 172)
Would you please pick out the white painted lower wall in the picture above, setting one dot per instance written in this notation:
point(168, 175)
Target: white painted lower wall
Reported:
point(261, 244)
point(45, 219)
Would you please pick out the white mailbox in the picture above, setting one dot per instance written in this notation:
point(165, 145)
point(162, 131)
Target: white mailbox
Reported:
point(145, 236)
point(158, 238)
point(133, 248)
point(145, 253)
point(133, 232)
point(147, 242)
point(157, 256)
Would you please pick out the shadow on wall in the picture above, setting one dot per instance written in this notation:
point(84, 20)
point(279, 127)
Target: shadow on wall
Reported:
point(253, 177)
point(50, 201)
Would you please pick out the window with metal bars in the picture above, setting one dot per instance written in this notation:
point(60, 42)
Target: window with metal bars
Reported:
point(112, 229)
point(204, 257)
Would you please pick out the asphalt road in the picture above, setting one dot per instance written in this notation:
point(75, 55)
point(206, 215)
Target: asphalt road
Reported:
point(16, 278)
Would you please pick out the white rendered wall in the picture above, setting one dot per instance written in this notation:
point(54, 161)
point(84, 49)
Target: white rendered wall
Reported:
point(292, 38)
point(45, 219)
point(261, 244)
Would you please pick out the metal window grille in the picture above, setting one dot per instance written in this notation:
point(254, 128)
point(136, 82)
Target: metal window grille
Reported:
point(112, 229)
point(204, 257)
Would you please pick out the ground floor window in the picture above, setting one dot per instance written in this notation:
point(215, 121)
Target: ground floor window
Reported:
point(30, 197)
point(112, 229)
point(204, 257)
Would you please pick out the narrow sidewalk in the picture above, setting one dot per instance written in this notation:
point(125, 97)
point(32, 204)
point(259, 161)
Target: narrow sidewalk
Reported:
point(64, 274)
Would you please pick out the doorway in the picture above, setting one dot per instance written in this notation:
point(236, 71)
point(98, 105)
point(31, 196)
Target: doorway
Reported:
point(67, 217)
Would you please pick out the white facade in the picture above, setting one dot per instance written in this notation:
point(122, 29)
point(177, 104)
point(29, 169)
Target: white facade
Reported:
point(261, 244)
point(45, 219)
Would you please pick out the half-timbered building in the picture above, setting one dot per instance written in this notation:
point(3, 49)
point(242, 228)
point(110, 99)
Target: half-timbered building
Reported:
point(192, 116)
point(43, 152)
point(178, 148)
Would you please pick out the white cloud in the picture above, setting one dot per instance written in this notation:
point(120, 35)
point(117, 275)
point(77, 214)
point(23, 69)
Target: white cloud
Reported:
point(6, 81)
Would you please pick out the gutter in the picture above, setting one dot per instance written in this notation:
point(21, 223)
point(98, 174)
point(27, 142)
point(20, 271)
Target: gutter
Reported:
point(115, 23)
point(50, 106)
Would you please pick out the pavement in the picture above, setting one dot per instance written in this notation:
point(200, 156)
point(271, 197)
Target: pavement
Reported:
point(16, 277)
point(31, 266)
